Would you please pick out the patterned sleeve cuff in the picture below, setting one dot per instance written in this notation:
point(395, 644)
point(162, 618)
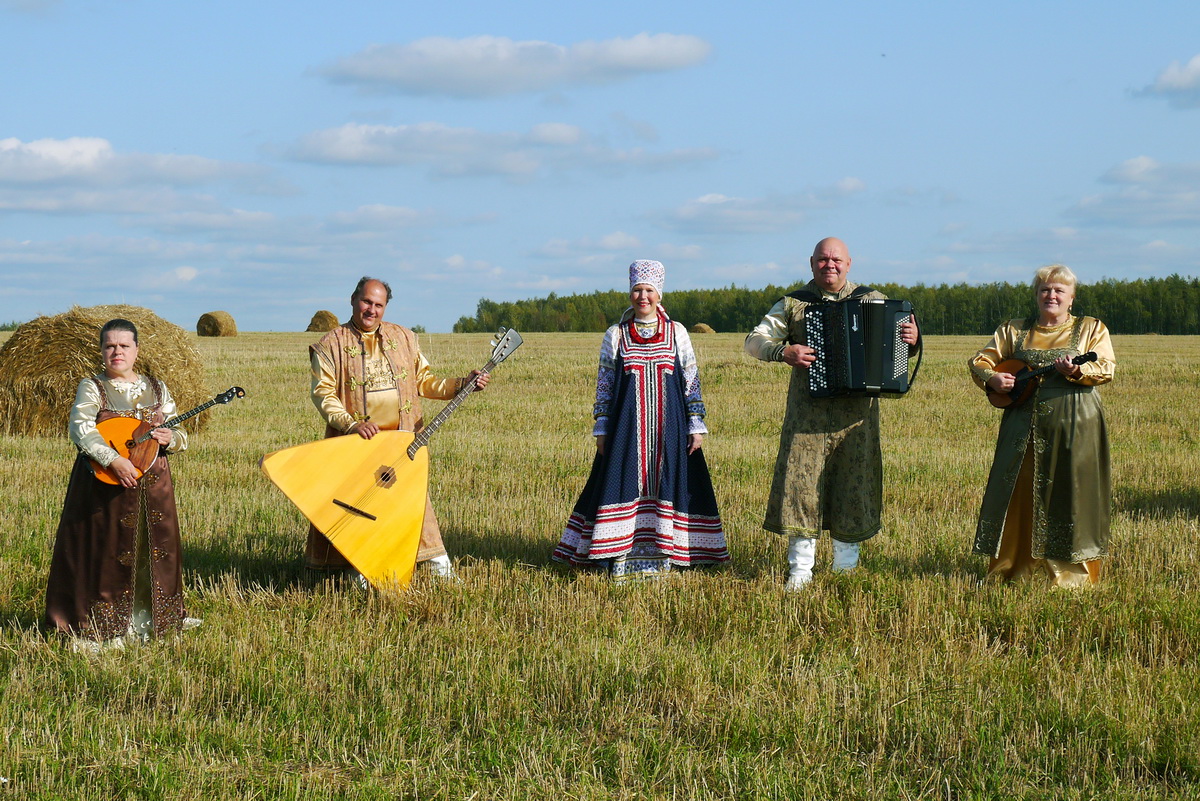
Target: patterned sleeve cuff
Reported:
point(601, 427)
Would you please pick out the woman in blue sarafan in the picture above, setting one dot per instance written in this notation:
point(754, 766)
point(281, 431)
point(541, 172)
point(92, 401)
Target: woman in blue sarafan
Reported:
point(648, 504)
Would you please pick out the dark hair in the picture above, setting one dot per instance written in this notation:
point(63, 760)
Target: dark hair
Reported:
point(362, 282)
point(119, 324)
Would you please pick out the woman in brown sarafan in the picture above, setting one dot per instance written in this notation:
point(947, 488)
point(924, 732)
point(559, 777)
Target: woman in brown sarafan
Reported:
point(116, 571)
point(1046, 507)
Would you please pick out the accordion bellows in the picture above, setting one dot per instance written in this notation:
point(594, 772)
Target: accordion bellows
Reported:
point(858, 345)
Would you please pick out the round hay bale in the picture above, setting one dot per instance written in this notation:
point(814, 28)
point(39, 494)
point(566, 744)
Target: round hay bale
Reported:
point(323, 321)
point(702, 328)
point(44, 360)
point(216, 324)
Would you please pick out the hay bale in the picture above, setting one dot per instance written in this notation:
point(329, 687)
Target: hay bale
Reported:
point(323, 321)
point(216, 324)
point(44, 360)
point(702, 328)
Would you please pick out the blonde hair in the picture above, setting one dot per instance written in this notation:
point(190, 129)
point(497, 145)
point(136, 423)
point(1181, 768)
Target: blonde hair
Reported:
point(1054, 274)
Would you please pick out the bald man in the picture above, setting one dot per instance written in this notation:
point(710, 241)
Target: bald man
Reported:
point(829, 472)
point(369, 376)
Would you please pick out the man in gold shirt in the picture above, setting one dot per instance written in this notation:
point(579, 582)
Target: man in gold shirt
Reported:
point(369, 376)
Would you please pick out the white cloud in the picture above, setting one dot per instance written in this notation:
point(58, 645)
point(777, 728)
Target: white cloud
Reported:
point(482, 66)
point(67, 200)
point(92, 161)
point(1178, 83)
point(457, 268)
point(185, 274)
point(612, 250)
point(716, 213)
point(378, 217)
point(450, 151)
point(1148, 194)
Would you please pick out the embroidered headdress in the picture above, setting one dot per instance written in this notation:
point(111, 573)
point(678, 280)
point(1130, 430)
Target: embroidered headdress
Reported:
point(643, 271)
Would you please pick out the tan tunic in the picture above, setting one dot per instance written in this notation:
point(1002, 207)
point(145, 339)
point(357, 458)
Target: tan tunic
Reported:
point(829, 472)
point(381, 376)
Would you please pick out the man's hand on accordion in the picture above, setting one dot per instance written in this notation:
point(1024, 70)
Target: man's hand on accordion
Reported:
point(908, 331)
point(798, 355)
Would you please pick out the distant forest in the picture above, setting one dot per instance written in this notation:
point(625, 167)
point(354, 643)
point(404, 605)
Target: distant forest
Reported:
point(1146, 306)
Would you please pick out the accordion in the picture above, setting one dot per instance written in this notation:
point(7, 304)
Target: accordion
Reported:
point(859, 349)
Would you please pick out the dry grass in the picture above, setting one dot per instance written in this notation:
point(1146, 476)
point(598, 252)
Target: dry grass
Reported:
point(907, 679)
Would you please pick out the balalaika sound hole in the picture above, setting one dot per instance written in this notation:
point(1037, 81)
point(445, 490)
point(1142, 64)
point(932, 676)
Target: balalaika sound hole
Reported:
point(385, 476)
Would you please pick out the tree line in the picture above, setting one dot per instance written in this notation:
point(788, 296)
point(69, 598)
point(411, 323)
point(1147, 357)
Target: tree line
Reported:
point(1168, 305)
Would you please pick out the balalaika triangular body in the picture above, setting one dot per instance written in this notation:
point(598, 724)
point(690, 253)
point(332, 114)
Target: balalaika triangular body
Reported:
point(365, 495)
point(368, 496)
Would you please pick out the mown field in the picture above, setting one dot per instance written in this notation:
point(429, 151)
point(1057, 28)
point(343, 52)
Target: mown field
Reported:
point(906, 679)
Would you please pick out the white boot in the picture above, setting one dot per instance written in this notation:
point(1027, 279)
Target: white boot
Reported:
point(845, 556)
point(441, 567)
point(802, 552)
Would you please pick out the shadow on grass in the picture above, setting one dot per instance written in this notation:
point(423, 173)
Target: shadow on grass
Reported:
point(934, 562)
point(279, 565)
point(503, 546)
point(1175, 502)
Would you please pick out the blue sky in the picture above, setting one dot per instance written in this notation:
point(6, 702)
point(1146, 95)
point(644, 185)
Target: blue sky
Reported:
point(258, 157)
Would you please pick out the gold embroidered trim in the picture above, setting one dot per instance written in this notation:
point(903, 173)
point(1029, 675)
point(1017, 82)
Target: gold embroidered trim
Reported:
point(353, 351)
point(127, 558)
point(130, 520)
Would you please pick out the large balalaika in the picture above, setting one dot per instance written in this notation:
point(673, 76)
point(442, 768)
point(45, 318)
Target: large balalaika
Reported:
point(858, 345)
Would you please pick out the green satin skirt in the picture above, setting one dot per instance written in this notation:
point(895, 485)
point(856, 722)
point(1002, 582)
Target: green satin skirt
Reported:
point(1069, 497)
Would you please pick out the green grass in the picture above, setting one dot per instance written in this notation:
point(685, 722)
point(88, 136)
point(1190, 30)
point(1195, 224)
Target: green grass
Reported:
point(907, 679)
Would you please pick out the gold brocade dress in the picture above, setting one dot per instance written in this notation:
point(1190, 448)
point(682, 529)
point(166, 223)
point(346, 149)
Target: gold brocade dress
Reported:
point(1046, 506)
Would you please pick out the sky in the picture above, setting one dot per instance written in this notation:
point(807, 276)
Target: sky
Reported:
point(259, 157)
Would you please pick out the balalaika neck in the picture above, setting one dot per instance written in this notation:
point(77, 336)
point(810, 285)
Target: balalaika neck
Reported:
point(422, 437)
point(174, 421)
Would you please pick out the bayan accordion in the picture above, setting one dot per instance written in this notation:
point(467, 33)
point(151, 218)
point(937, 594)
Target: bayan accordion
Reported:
point(859, 349)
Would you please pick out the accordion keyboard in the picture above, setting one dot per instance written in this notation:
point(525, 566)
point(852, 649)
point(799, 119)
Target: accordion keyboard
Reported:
point(899, 350)
point(814, 334)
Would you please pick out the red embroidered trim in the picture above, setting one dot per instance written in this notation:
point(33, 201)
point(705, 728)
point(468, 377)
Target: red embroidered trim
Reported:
point(658, 335)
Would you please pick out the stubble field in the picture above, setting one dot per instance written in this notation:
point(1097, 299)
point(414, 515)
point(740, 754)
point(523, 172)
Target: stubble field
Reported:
point(905, 679)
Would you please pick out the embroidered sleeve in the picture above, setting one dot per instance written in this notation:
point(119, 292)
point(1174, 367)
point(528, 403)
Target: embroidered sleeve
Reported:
point(691, 381)
point(770, 337)
point(983, 363)
point(1094, 337)
point(430, 386)
point(324, 394)
point(81, 424)
point(169, 409)
point(606, 380)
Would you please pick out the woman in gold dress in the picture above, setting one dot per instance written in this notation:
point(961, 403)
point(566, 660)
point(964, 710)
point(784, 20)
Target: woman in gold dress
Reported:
point(1046, 507)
